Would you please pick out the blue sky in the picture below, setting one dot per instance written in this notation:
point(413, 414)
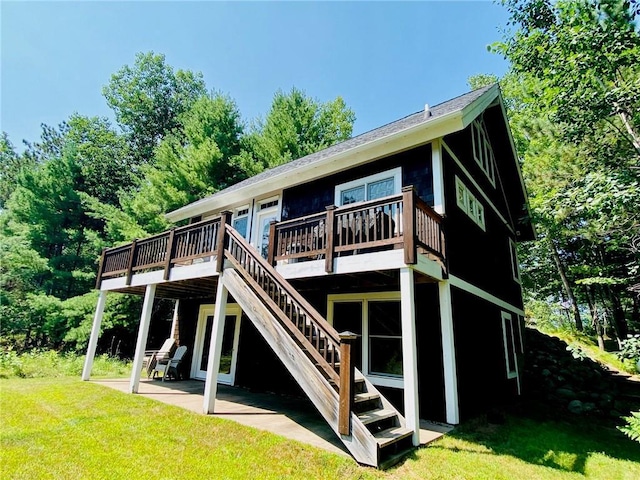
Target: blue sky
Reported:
point(385, 59)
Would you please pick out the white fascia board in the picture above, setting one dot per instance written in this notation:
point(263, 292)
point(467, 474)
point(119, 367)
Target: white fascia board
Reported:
point(515, 159)
point(396, 142)
point(475, 108)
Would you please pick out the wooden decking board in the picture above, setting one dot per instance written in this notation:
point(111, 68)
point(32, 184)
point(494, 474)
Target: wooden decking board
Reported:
point(375, 415)
point(365, 397)
point(391, 435)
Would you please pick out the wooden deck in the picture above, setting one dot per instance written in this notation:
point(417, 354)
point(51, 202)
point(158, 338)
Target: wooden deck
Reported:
point(293, 418)
point(401, 222)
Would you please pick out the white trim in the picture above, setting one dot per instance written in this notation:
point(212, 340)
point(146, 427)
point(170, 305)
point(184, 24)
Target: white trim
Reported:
point(364, 298)
point(515, 266)
point(381, 147)
point(174, 319)
point(478, 292)
point(395, 173)
point(207, 310)
point(469, 204)
point(506, 317)
point(438, 176)
point(483, 151)
point(199, 270)
point(95, 333)
point(474, 109)
point(409, 353)
point(475, 184)
point(259, 214)
point(215, 346)
point(143, 332)
point(247, 214)
point(448, 354)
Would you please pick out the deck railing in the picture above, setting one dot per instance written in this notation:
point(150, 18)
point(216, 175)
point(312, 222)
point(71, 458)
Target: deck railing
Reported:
point(178, 246)
point(398, 221)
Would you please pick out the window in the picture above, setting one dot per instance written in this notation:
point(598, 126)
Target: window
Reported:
point(241, 221)
point(509, 345)
point(469, 204)
point(513, 252)
point(267, 211)
point(376, 319)
point(369, 188)
point(482, 151)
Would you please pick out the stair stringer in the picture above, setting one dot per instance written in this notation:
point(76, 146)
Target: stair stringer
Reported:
point(361, 443)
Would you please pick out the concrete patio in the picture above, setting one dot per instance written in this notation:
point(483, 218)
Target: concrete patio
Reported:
point(294, 418)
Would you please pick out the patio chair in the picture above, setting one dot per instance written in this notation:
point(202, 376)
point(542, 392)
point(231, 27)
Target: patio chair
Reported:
point(170, 367)
point(152, 357)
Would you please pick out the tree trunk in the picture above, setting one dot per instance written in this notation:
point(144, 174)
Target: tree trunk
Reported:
point(567, 286)
point(619, 320)
point(595, 318)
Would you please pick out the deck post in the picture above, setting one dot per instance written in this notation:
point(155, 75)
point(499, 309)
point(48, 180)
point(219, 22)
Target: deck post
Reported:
point(409, 225)
point(409, 353)
point(100, 269)
point(225, 219)
point(132, 255)
point(215, 348)
point(346, 383)
point(143, 332)
point(329, 231)
point(169, 254)
point(175, 322)
point(95, 333)
point(448, 354)
point(271, 254)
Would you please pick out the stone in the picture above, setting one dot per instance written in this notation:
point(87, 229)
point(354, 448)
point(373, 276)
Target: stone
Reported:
point(565, 393)
point(576, 407)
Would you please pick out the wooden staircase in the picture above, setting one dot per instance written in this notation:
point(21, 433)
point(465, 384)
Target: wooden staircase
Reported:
point(316, 355)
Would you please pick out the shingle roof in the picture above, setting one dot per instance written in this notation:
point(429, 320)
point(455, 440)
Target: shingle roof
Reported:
point(415, 119)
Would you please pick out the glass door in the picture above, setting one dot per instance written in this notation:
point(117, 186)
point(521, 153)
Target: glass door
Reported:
point(267, 212)
point(230, 338)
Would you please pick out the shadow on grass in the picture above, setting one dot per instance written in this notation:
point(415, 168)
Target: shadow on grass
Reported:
point(560, 444)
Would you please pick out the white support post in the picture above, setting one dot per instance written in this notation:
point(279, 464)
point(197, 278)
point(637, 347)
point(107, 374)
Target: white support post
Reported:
point(409, 353)
point(438, 176)
point(174, 321)
point(143, 332)
point(215, 348)
point(95, 333)
point(448, 354)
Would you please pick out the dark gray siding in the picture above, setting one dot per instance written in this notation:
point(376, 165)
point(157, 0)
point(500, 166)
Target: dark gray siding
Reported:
point(482, 258)
point(314, 197)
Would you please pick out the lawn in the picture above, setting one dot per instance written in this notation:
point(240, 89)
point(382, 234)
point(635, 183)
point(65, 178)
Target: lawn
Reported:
point(65, 428)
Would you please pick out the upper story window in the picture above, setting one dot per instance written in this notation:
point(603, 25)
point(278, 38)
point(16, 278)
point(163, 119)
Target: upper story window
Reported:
point(469, 204)
point(241, 221)
point(482, 151)
point(369, 188)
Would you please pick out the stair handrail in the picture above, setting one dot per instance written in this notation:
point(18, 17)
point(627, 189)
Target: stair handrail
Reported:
point(293, 294)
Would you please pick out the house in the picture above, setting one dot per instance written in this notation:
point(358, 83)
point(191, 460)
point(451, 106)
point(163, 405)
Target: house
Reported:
point(379, 275)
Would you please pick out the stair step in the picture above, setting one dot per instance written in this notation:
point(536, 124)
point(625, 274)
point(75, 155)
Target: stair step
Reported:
point(375, 415)
point(392, 435)
point(365, 397)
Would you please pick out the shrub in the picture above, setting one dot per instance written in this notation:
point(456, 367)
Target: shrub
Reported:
point(632, 428)
point(49, 363)
point(630, 349)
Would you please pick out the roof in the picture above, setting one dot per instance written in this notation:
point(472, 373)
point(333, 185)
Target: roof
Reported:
point(419, 119)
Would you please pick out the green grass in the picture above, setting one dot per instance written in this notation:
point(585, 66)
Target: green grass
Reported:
point(49, 363)
point(65, 428)
point(589, 346)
